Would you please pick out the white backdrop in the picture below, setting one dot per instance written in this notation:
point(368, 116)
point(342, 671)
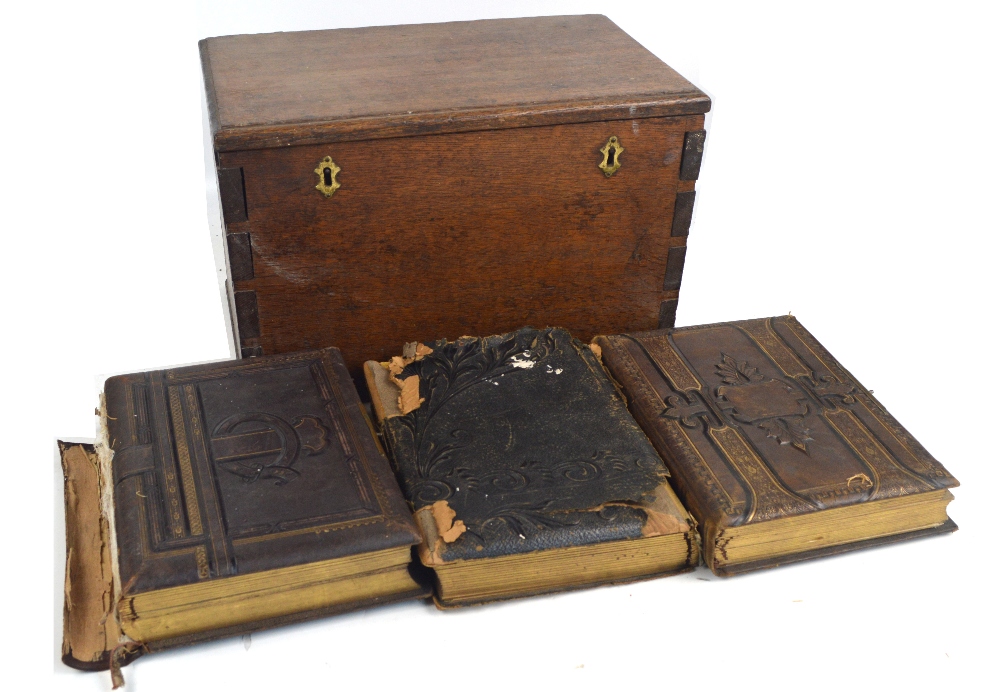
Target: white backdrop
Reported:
point(850, 178)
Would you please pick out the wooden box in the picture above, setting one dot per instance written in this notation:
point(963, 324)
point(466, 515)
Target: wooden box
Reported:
point(387, 184)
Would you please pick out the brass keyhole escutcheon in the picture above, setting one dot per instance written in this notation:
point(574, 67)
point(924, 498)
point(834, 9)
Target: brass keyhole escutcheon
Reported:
point(612, 157)
point(327, 172)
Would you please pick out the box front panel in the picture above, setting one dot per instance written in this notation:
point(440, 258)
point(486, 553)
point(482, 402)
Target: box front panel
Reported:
point(366, 245)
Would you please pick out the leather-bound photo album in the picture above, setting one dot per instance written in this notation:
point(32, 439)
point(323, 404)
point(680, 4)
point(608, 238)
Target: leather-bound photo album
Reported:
point(226, 498)
point(777, 450)
point(524, 469)
point(231, 497)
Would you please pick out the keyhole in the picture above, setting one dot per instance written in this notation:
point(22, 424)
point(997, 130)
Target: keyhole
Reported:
point(327, 177)
point(611, 156)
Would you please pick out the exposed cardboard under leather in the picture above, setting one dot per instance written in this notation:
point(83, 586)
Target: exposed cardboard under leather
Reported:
point(326, 531)
point(90, 628)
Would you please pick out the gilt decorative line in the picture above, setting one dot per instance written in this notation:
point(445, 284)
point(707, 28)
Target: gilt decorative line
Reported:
point(201, 560)
point(922, 462)
point(769, 498)
point(666, 360)
point(776, 349)
point(173, 495)
point(184, 460)
point(140, 398)
point(889, 477)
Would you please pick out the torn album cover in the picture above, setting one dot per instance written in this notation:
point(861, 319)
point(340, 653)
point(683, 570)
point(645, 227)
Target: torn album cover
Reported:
point(524, 469)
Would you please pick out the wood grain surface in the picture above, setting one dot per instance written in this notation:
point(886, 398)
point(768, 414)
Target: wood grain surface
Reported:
point(469, 233)
point(274, 90)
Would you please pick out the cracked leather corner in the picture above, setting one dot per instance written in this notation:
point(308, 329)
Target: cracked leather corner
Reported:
point(662, 517)
point(384, 393)
point(444, 518)
point(415, 350)
point(409, 395)
point(395, 366)
point(409, 388)
point(412, 352)
point(438, 524)
point(90, 628)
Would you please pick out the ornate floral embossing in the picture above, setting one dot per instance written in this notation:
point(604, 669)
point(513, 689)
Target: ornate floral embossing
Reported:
point(686, 410)
point(427, 491)
point(579, 471)
point(734, 373)
point(482, 440)
point(439, 456)
point(788, 431)
point(506, 481)
point(526, 519)
point(683, 458)
point(830, 388)
point(530, 475)
point(445, 373)
point(772, 405)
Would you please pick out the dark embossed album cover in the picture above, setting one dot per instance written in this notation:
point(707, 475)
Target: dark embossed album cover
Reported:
point(518, 446)
point(776, 449)
point(245, 492)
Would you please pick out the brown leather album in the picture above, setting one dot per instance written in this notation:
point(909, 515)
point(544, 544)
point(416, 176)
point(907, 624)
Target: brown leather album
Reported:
point(524, 469)
point(226, 498)
point(774, 447)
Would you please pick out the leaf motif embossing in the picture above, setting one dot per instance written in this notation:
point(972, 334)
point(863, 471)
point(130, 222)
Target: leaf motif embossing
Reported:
point(447, 372)
point(687, 412)
point(734, 373)
point(528, 519)
point(527, 493)
point(788, 431)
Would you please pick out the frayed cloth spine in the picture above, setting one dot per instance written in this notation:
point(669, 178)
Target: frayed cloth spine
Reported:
point(127, 648)
point(122, 654)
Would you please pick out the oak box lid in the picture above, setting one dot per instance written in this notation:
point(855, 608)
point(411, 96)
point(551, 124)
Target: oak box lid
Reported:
point(311, 87)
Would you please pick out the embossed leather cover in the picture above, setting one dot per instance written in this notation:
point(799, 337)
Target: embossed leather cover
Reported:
point(239, 467)
point(528, 442)
point(757, 421)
